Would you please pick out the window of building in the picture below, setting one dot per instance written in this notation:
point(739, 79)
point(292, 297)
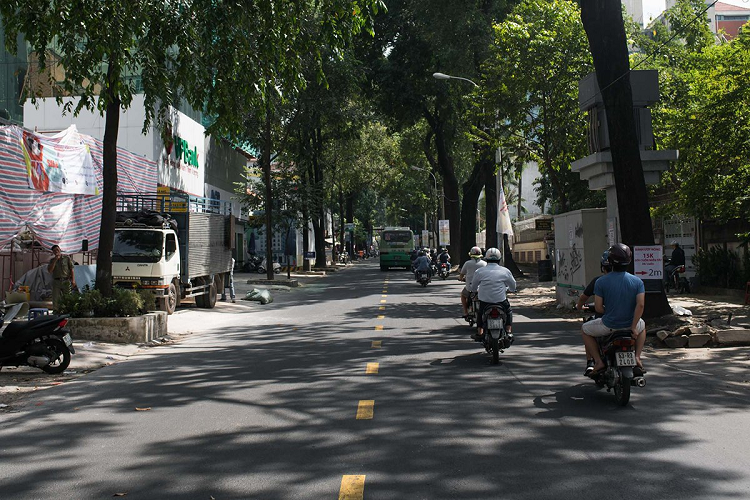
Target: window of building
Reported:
point(538, 255)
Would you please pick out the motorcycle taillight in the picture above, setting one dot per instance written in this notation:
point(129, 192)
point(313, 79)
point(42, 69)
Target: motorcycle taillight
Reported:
point(494, 313)
point(624, 342)
point(62, 323)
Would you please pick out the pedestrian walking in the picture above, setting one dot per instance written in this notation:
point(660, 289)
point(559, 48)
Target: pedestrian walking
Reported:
point(63, 275)
point(229, 284)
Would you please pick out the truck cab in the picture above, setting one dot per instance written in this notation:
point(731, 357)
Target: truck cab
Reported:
point(148, 258)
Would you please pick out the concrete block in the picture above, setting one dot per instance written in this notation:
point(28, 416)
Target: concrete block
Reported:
point(662, 334)
point(131, 330)
point(733, 336)
point(676, 342)
point(699, 340)
point(698, 330)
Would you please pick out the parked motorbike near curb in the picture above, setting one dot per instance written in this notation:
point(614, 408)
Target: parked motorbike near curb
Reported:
point(262, 267)
point(42, 342)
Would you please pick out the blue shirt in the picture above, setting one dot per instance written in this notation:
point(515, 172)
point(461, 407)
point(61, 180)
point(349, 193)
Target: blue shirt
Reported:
point(422, 263)
point(618, 291)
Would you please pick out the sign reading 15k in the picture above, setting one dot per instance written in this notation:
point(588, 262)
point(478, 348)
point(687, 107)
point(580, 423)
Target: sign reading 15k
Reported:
point(649, 262)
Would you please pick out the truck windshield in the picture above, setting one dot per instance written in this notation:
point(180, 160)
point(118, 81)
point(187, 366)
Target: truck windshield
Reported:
point(135, 245)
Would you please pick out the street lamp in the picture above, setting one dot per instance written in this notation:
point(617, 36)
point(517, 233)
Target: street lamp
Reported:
point(443, 76)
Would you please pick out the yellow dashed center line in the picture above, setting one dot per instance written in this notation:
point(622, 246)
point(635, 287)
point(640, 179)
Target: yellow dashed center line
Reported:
point(372, 368)
point(365, 409)
point(381, 308)
point(379, 328)
point(352, 487)
point(381, 316)
point(383, 301)
point(377, 343)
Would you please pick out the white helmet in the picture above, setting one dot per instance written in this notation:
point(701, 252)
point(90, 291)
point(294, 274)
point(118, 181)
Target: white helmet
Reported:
point(493, 255)
point(475, 253)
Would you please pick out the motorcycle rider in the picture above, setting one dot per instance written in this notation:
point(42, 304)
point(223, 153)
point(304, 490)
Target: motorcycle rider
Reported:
point(620, 297)
point(677, 259)
point(492, 282)
point(422, 264)
point(466, 274)
point(444, 257)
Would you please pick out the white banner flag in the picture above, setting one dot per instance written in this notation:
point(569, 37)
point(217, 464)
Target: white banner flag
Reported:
point(503, 215)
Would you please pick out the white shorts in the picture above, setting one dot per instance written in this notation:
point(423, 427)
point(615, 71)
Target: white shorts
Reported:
point(595, 328)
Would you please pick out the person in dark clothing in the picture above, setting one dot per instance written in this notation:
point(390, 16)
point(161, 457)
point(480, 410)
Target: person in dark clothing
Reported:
point(444, 257)
point(677, 260)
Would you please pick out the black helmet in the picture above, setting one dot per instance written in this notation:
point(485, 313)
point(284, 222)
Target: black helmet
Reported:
point(606, 265)
point(619, 255)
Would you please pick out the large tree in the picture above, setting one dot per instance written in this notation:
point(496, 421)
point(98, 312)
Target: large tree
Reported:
point(605, 29)
point(415, 39)
point(109, 51)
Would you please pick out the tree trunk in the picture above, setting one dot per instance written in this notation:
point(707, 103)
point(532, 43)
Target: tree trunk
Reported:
point(319, 221)
point(109, 187)
point(605, 30)
point(490, 209)
point(350, 219)
point(472, 188)
point(266, 165)
point(510, 263)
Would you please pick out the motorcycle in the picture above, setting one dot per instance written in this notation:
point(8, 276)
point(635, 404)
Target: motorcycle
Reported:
point(344, 258)
point(422, 277)
point(252, 264)
point(433, 268)
point(677, 281)
point(42, 342)
point(262, 267)
point(444, 271)
point(495, 338)
point(621, 372)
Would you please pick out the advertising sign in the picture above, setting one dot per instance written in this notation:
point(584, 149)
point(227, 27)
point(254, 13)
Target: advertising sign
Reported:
point(649, 262)
point(182, 159)
point(58, 164)
point(445, 232)
point(425, 237)
point(543, 224)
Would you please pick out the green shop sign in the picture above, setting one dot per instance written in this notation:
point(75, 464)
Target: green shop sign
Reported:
point(183, 152)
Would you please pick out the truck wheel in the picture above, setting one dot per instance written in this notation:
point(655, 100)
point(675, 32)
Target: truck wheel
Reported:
point(208, 300)
point(169, 302)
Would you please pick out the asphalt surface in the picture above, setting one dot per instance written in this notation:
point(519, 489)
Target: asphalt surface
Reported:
point(263, 403)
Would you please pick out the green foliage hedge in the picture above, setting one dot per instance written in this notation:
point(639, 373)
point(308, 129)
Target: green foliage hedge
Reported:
point(724, 268)
point(91, 303)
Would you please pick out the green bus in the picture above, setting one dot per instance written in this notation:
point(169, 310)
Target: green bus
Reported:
point(396, 245)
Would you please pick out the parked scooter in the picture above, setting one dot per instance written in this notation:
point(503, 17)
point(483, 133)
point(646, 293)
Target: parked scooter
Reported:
point(621, 372)
point(252, 264)
point(262, 267)
point(42, 342)
point(495, 338)
point(422, 277)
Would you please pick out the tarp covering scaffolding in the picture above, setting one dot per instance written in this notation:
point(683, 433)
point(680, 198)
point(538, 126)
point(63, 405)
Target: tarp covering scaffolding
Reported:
point(61, 218)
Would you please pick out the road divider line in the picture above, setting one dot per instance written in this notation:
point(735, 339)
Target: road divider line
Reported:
point(352, 487)
point(372, 368)
point(379, 328)
point(365, 409)
point(381, 316)
point(383, 301)
point(381, 308)
point(377, 343)
point(384, 296)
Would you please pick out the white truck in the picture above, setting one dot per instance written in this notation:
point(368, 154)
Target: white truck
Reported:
point(179, 247)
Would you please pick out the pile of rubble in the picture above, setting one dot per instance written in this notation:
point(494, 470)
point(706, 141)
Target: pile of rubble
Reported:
point(714, 332)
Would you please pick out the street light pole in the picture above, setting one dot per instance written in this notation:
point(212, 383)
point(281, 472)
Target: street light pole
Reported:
point(443, 76)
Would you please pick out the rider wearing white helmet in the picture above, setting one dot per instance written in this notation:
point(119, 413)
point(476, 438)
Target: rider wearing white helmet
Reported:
point(493, 282)
point(467, 274)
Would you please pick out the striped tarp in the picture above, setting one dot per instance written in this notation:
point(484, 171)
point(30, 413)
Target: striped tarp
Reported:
point(59, 218)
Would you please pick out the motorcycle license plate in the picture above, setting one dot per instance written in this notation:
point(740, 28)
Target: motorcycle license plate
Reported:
point(494, 324)
point(67, 339)
point(626, 358)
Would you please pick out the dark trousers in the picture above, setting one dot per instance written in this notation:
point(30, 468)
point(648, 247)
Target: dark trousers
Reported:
point(504, 304)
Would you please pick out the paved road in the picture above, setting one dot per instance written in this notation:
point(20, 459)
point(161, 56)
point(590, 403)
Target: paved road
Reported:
point(264, 403)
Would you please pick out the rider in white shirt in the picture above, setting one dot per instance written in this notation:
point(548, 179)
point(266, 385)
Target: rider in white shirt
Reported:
point(467, 274)
point(492, 282)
